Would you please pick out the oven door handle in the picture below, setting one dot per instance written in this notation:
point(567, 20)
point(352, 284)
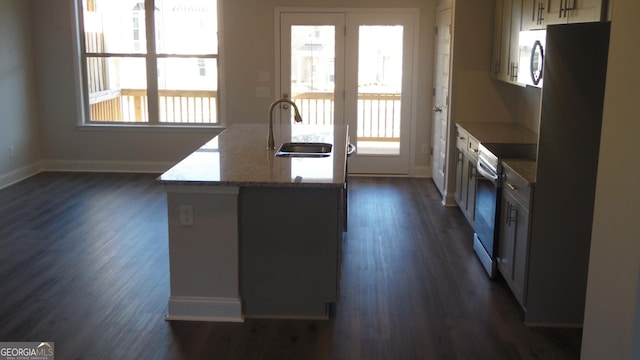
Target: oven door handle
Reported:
point(486, 171)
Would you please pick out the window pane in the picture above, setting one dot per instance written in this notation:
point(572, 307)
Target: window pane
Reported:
point(114, 26)
point(188, 90)
point(186, 27)
point(117, 89)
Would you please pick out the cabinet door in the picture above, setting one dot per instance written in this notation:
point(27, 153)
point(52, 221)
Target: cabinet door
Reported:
point(471, 189)
point(520, 252)
point(505, 39)
point(584, 11)
point(533, 14)
point(502, 39)
point(497, 39)
point(506, 237)
point(514, 244)
point(514, 37)
point(459, 179)
point(553, 13)
point(573, 11)
point(506, 34)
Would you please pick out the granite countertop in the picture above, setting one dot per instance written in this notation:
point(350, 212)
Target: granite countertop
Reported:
point(500, 132)
point(523, 167)
point(239, 157)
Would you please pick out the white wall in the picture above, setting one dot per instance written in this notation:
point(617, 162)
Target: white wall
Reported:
point(64, 145)
point(248, 30)
point(251, 23)
point(476, 97)
point(18, 116)
point(612, 314)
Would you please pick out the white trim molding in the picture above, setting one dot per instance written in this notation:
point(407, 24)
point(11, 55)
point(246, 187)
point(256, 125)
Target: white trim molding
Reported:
point(106, 166)
point(205, 309)
point(19, 174)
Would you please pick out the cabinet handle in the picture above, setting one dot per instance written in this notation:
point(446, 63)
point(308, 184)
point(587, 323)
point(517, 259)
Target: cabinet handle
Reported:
point(540, 13)
point(564, 7)
point(513, 75)
point(512, 214)
point(512, 187)
point(567, 7)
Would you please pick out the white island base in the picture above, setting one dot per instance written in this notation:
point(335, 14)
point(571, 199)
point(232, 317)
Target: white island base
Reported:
point(203, 253)
point(254, 235)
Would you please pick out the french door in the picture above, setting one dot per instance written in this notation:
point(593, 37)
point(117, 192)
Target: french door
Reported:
point(353, 68)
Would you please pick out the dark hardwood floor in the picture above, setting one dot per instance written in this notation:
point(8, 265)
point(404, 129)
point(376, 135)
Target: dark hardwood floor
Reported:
point(84, 263)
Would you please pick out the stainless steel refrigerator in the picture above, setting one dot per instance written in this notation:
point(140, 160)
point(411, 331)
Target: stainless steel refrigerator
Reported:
point(575, 67)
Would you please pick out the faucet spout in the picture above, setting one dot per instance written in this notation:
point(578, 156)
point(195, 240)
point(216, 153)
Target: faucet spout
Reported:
point(297, 117)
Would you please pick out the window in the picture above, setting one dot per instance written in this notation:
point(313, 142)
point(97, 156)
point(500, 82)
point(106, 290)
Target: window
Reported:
point(149, 62)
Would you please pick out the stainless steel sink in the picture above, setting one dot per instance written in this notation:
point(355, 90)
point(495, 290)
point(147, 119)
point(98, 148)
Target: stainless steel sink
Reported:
point(304, 149)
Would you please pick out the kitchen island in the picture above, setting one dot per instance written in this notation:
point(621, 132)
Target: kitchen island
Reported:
point(252, 234)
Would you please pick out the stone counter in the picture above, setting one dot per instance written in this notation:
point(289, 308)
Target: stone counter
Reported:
point(500, 133)
point(523, 167)
point(239, 157)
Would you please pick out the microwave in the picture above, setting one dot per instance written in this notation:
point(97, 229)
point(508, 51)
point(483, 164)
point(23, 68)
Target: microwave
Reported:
point(531, 57)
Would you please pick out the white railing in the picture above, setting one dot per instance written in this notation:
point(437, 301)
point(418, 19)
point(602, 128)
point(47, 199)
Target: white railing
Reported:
point(378, 114)
point(175, 106)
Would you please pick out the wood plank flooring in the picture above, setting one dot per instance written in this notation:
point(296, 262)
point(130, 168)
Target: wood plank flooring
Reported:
point(84, 263)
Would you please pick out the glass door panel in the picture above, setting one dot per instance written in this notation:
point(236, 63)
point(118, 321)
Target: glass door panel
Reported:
point(379, 89)
point(313, 60)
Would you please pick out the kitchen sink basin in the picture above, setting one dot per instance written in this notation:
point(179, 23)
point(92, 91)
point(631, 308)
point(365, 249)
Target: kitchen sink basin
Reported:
point(304, 149)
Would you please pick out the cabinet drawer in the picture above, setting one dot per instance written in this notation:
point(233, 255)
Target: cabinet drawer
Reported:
point(462, 139)
point(472, 147)
point(517, 185)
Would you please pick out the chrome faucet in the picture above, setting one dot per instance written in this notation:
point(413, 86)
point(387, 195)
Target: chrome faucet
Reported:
point(297, 117)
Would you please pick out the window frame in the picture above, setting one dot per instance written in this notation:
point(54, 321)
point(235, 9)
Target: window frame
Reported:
point(151, 58)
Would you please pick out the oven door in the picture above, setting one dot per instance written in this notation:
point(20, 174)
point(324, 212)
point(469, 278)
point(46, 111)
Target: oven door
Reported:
point(487, 198)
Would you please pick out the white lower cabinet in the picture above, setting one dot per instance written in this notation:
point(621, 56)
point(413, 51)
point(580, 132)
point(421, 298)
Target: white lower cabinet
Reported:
point(514, 233)
point(467, 157)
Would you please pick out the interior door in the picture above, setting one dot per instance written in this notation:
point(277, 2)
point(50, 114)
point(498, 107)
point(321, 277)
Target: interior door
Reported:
point(354, 68)
point(441, 98)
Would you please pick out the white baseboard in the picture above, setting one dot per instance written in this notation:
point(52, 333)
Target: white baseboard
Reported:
point(422, 171)
point(106, 166)
point(19, 174)
point(449, 200)
point(205, 309)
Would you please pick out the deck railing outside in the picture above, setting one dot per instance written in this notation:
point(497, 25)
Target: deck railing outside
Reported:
point(176, 106)
point(378, 114)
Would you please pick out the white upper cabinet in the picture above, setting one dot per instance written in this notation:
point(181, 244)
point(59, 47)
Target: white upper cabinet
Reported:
point(537, 14)
point(506, 34)
point(533, 14)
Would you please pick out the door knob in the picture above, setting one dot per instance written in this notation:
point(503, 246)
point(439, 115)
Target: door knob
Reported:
point(437, 108)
